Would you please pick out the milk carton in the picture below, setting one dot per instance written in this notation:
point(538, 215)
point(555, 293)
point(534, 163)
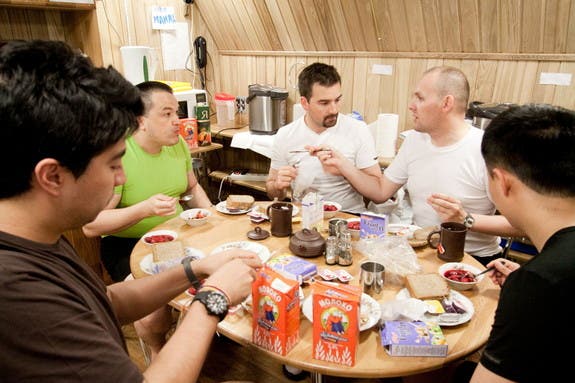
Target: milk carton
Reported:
point(276, 311)
point(335, 322)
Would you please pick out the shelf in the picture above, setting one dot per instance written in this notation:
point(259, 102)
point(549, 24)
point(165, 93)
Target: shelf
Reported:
point(47, 4)
point(219, 175)
point(208, 148)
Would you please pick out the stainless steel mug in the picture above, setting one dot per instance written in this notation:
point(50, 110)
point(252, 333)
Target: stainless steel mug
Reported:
point(372, 277)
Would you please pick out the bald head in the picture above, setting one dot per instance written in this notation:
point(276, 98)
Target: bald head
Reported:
point(451, 81)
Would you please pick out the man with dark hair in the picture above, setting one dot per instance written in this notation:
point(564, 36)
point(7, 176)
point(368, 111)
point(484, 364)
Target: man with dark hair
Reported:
point(62, 124)
point(529, 155)
point(322, 129)
point(158, 168)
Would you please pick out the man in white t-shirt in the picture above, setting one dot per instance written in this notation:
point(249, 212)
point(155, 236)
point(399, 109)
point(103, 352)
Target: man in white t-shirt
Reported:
point(319, 132)
point(442, 157)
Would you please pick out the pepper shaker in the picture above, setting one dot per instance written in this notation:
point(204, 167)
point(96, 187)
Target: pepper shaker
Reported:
point(344, 254)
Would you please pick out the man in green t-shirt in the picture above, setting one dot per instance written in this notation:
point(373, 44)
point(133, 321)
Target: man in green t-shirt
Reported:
point(158, 170)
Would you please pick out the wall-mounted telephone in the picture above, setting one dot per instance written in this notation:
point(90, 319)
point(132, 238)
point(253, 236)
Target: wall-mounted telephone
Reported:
point(201, 52)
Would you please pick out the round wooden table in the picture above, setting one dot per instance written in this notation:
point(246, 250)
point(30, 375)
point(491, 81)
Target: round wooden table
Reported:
point(372, 361)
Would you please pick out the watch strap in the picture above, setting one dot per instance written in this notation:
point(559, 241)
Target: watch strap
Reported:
point(190, 273)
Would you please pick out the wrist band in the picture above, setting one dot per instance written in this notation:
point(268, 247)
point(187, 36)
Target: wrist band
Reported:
point(190, 273)
point(219, 290)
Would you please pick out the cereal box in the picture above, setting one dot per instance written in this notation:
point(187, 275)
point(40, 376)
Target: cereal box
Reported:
point(293, 267)
point(335, 322)
point(372, 226)
point(204, 130)
point(405, 338)
point(276, 311)
point(189, 131)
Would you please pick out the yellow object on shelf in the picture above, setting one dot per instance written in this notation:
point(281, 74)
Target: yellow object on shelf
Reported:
point(178, 86)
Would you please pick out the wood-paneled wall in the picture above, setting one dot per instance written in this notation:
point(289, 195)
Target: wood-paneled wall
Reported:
point(502, 45)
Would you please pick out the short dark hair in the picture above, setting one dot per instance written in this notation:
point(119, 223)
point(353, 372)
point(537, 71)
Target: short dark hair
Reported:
point(320, 73)
point(452, 81)
point(147, 88)
point(54, 103)
point(536, 142)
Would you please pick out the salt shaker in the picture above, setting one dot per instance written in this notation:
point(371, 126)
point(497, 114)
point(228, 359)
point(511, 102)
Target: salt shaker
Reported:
point(331, 250)
point(344, 254)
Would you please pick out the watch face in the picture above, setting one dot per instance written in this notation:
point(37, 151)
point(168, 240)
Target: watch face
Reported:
point(217, 303)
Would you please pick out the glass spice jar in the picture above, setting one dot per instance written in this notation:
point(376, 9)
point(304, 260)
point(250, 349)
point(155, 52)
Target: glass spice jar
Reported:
point(344, 254)
point(331, 250)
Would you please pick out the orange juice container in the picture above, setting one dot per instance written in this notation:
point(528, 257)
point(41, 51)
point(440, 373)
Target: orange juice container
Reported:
point(276, 311)
point(189, 131)
point(335, 322)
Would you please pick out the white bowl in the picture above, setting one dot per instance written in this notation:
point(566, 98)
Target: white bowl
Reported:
point(328, 214)
point(195, 217)
point(354, 232)
point(159, 235)
point(458, 267)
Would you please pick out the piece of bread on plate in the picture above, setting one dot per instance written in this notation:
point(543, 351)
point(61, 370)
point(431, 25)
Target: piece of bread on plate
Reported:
point(239, 202)
point(165, 251)
point(426, 286)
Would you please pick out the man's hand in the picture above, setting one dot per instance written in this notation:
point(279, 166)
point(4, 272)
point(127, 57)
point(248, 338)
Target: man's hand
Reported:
point(331, 160)
point(285, 175)
point(209, 265)
point(234, 278)
point(448, 208)
point(160, 205)
point(503, 267)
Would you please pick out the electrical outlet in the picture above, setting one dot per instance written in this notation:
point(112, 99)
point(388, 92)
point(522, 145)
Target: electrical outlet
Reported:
point(241, 104)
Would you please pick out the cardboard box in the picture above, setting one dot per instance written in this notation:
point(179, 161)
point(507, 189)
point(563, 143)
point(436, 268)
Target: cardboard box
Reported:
point(276, 311)
point(189, 131)
point(335, 322)
point(405, 338)
point(372, 226)
point(293, 267)
point(204, 129)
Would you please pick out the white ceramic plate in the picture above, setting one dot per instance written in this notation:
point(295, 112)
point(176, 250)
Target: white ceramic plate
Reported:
point(148, 265)
point(401, 230)
point(450, 319)
point(260, 211)
point(370, 310)
point(221, 207)
point(262, 251)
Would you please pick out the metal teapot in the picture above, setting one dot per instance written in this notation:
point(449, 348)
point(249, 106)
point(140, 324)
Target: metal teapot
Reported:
point(307, 243)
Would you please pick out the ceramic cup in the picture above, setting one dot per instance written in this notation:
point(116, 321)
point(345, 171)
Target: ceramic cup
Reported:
point(280, 215)
point(451, 241)
point(371, 278)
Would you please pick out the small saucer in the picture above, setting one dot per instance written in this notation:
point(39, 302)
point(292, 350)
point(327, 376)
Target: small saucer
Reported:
point(258, 234)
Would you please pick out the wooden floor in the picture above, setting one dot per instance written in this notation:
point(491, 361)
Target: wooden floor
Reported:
point(230, 361)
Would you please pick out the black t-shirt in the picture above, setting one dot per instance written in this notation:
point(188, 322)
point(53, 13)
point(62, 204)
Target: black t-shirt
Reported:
point(56, 322)
point(532, 326)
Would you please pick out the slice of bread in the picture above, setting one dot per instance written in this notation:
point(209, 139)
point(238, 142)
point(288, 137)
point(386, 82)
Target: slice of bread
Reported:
point(426, 286)
point(164, 251)
point(239, 202)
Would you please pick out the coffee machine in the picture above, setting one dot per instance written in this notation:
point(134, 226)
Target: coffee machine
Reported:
point(267, 108)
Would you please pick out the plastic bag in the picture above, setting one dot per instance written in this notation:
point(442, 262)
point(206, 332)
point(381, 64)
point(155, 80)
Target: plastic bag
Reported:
point(395, 254)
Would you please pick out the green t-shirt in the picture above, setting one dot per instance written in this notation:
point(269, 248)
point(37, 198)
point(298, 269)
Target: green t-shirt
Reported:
point(150, 174)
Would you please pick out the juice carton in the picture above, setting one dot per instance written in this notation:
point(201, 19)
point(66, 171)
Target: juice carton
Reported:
point(372, 226)
point(204, 130)
point(335, 322)
point(189, 131)
point(276, 311)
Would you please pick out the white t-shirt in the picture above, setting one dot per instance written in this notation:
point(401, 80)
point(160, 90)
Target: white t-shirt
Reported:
point(349, 136)
point(457, 170)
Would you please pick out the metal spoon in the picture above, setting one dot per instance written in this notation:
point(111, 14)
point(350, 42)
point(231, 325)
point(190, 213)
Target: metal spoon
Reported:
point(186, 198)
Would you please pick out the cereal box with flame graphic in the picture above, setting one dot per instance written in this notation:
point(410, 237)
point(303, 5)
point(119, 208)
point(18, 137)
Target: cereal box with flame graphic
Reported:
point(276, 311)
point(335, 322)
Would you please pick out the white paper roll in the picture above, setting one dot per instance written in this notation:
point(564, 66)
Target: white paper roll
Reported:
point(385, 134)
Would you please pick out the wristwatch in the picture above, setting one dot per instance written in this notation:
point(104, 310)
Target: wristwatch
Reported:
point(190, 273)
point(215, 302)
point(468, 221)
